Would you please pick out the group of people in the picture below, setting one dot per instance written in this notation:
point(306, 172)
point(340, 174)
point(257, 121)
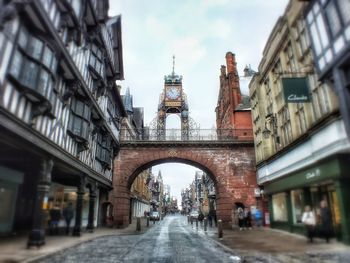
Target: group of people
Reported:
point(323, 221)
point(56, 216)
point(244, 217)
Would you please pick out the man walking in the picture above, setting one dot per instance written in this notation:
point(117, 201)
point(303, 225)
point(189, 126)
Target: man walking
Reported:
point(68, 214)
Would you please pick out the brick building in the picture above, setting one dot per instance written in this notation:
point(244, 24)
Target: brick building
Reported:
point(233, 107)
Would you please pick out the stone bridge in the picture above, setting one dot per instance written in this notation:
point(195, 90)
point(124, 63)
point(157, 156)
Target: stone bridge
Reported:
point(230, 164)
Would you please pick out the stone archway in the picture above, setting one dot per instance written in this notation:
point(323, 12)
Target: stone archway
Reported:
point(230, 165)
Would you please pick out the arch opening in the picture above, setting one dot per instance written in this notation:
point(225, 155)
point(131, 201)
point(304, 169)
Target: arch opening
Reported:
point(172, 186)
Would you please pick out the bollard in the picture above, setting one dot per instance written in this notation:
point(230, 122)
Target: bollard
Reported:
point(220, 234)
point(205, 224)
point(147, 222)
point(138, 224)
point(197, 223)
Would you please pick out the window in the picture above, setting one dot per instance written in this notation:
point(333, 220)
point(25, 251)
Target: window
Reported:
point(302, 36)
point(333, 19)
point(96, 61)
point(80, 119)
point(76, 5)
point(297, 205)
point(33, 65)
point(290, 58)
point(279, 207)
point(103, 149)
point(344, 7)
point(286, 126)
point(301, 117)
point(329, 23)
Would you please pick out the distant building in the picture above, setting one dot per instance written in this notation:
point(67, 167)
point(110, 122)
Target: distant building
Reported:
point(140, 194)
point(60, 112)
point(300, 140)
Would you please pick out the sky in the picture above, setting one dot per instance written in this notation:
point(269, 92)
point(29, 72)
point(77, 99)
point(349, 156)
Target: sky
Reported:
point(199, 33)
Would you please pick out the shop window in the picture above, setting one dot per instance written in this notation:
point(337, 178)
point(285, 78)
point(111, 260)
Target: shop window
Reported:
point(297, 205)
point(79, 121)
point(279, 207)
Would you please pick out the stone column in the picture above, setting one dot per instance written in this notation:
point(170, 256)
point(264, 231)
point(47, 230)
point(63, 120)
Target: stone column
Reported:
point(91, 216)
point(37, 234)
point(79, 208)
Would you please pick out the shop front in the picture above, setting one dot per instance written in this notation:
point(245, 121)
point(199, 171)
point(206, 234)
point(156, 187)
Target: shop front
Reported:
point(61, 195)
point(10, 180)
point(328, 180)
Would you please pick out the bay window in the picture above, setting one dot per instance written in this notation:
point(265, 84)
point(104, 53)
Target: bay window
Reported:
point(96, 61)
point(79, 120)
point(33, 67)
point(329, 27)
point(104, 149)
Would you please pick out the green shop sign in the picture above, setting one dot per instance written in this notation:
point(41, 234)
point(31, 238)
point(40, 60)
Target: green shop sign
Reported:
point(307, 177)
point(295, 90)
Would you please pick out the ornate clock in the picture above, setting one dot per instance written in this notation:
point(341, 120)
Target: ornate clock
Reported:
point(173, 92)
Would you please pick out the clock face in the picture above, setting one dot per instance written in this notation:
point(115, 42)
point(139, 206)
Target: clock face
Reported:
point(173, 93)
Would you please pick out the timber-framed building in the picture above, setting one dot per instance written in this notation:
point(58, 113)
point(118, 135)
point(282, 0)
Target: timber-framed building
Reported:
point(60, 112)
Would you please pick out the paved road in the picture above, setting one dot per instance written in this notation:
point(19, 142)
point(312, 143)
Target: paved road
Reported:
point(172, 240)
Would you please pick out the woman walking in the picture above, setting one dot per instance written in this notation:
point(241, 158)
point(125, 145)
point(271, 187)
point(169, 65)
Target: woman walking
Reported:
point(308, 218)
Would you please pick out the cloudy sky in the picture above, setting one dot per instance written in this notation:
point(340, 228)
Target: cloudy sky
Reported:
point(198, 33)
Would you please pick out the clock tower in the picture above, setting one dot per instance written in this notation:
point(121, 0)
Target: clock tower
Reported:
point(173, 100)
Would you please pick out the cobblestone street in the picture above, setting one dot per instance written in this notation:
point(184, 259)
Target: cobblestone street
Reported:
point(173, 240)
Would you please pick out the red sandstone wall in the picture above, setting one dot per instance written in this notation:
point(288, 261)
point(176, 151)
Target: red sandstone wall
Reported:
point(232, 170)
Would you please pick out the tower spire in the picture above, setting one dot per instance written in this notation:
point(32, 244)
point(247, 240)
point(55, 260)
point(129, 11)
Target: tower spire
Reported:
point(173, 65)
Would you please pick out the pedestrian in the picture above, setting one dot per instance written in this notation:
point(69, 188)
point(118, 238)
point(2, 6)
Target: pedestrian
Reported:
point(210, 220)
point(258, 217)
point(240, 216)
point(55, 216)
point(68, 214)
point(309, 220)
point(200, 216)
point(247, 218)
point(326, 220)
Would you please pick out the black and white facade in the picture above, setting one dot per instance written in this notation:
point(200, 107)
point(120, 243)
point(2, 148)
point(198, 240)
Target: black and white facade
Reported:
point(60, 112)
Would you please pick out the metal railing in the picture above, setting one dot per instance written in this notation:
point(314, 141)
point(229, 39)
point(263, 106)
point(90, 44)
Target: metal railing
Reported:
point(188, 135)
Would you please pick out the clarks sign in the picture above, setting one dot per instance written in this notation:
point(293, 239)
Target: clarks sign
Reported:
point(295, 90)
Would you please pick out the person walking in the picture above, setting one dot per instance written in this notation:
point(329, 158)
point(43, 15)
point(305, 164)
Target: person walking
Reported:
point(326, 220)
point(258, 217)
point(68, 214)
point(247, 218)
point(55, 216)
point(240, 216)
point(309, 220)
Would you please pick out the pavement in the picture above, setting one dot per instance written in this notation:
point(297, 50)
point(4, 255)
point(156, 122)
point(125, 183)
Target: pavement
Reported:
point(255, 245)
point(14, 249)
point(273, 245)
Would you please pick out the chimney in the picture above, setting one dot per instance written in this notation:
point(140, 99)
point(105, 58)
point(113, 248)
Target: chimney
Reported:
point(231, 63)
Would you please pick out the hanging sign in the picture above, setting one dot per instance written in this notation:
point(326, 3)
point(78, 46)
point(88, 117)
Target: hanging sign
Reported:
point(295, 90)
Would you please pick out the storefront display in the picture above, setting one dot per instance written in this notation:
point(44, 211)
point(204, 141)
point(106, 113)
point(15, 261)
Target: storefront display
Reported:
point(297, 205)
point(279, 204)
